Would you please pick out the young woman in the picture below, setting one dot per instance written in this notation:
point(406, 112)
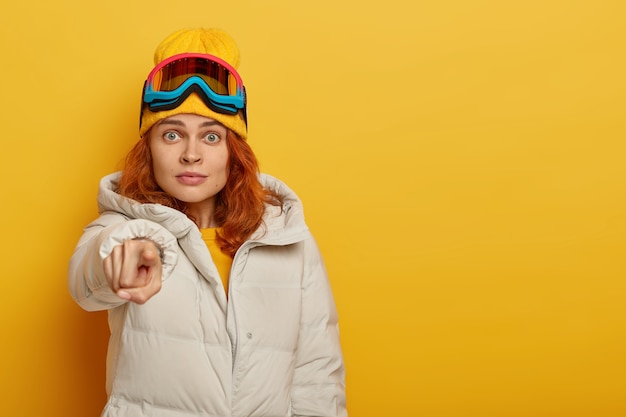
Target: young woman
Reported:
point(218, 300)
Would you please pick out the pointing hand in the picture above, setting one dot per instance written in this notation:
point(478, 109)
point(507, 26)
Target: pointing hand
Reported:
point(133, 270)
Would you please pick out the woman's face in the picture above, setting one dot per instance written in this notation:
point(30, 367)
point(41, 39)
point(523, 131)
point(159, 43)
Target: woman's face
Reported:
point(190, 159)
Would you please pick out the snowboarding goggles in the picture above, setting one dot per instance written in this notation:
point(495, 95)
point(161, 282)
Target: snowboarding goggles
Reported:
point(216, 82)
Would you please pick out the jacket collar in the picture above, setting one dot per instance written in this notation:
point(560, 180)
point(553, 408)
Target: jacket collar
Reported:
point(281, 225)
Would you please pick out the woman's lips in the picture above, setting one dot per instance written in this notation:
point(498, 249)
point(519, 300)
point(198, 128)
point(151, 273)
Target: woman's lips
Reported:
point(191, 178)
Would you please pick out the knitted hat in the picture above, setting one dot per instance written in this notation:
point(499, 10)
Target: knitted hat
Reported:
point(206, 41)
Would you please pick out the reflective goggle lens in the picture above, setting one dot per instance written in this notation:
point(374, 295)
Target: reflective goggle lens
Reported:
point(173, 75)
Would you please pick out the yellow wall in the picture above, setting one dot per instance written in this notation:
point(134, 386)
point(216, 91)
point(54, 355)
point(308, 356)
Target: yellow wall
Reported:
point(461, 163)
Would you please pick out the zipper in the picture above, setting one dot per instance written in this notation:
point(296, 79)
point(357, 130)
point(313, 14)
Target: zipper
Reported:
point(243, 251)
point(237, 260)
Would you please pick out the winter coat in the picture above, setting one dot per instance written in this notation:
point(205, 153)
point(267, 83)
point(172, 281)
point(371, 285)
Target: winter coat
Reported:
point(271, 349)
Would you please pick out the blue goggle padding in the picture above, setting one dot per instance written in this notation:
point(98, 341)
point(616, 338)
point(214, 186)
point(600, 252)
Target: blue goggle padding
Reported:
point(156, 99)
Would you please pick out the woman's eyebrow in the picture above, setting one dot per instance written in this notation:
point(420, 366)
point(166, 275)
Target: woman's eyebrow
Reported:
point(209, 123)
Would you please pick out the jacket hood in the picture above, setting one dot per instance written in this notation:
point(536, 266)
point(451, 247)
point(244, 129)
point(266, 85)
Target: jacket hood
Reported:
point(281, 225)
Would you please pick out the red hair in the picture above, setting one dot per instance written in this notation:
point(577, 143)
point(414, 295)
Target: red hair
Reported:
point(239, 206)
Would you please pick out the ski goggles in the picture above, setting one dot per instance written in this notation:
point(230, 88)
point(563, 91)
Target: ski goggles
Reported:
point(213, 79)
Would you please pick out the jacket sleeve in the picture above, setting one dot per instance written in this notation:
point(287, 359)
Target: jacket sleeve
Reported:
point(87, 283)
point(319, 378)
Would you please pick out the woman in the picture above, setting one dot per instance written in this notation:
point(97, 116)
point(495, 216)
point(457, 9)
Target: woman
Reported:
point(218, 300)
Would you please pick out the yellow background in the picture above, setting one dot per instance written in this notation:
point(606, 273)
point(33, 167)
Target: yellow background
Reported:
point(461, 164)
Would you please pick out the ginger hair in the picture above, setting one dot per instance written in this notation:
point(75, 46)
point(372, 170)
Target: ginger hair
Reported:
point(239, 206)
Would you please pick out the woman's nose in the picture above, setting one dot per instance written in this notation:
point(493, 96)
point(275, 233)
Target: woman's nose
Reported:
point(191, 155)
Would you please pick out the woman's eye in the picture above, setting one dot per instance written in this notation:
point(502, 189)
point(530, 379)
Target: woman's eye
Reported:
point(170, 136)
point(212, 138)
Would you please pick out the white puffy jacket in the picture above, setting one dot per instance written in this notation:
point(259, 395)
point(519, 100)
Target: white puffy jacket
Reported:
point(272, 349)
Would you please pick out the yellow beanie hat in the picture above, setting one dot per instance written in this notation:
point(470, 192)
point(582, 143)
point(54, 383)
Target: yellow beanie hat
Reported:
point(205, 41)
